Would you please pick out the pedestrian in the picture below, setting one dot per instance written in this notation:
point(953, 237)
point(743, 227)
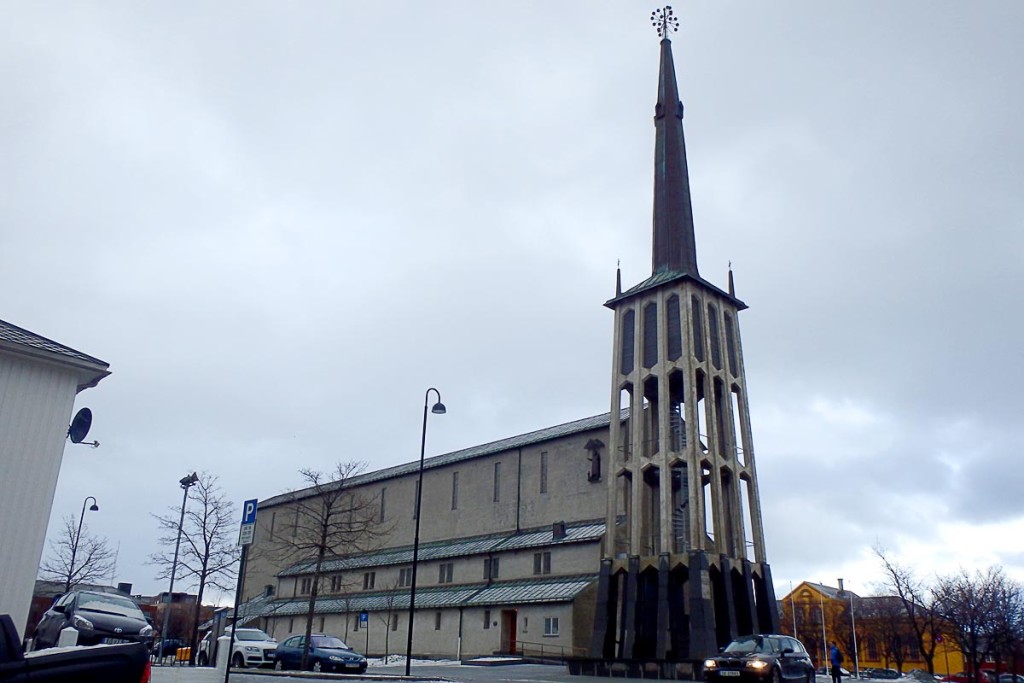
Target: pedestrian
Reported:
point(836, 659)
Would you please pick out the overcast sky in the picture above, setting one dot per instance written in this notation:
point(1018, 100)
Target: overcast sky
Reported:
point(281, 222)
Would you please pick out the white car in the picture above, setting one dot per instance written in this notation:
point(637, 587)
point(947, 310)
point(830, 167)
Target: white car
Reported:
point(253, 647)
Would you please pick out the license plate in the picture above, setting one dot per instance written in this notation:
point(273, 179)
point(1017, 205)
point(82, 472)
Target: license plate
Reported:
point(728, 673)
point(115, 641)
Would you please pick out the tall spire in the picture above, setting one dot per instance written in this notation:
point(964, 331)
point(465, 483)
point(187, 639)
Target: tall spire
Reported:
point(675, 247)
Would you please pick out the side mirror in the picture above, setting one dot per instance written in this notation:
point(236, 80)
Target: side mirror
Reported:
point(58, 608)
point(787, 650)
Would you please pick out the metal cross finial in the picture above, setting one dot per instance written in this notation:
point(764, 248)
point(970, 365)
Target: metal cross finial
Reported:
point(665, 21)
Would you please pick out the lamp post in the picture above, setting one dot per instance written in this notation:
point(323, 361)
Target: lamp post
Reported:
point(853, 628)
point(78, 537)
point(186, 483)
point(437, 409)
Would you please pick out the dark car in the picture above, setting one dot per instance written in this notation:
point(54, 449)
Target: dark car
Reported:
point(326, 653)
point(98, 617)
point(167, 648)
point(761, 658)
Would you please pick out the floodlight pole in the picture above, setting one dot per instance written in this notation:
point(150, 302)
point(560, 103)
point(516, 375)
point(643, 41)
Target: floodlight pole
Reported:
point(186, 483)
point(438, 409)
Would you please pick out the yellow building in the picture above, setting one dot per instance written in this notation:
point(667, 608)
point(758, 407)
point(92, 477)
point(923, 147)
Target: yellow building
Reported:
point(818, 615)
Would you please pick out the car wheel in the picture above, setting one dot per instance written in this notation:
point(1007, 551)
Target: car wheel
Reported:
point(279, 665)
point(810, 677)
point(317, 667)
point(776, 676)
point(238, 660)
point(202, 659)
point(362, 669)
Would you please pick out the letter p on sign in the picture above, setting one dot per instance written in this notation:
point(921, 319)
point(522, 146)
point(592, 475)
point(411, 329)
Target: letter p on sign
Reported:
point(249, 511)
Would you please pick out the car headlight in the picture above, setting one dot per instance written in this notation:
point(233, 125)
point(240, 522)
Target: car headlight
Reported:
point(758, 664)
point(81, 622)
point(250, 648)
point(710, 664)
point(334, 658)
point(146, 631)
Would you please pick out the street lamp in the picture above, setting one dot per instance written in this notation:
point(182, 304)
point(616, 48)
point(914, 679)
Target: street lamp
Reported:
point(78, 537)
point(853, 627)
point(186, 483)
point(437, 409)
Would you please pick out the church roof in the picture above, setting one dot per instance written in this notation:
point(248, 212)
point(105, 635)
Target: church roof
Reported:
point(521, 591)
point(475, 545)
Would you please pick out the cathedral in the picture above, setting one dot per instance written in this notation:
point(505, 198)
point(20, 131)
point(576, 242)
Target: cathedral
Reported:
point(627, 543)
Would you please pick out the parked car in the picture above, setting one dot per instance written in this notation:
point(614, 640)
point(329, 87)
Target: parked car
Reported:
point(880, 674)
point(760, 658)
point(326, 653)
point(99, 618)
point(252, 647)
point(1011, 678)
point(127, 663)
point(166, 648)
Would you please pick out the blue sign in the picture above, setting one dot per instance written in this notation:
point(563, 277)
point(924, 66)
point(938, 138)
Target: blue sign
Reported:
point(249, 512)
point(364, 617)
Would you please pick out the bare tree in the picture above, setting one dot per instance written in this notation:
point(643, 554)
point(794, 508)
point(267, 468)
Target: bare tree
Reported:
point(208, 556)
point(76, 556)
point(918, 604)
point(333, 519)
point(884, 619)
point(968, 603)
point(389, 617)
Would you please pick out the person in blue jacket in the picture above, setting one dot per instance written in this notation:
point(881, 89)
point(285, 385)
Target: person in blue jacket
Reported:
point(835, 658)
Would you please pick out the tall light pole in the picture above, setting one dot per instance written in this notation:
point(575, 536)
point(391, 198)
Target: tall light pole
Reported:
point(853, 627)
point(438, 409)
point(186, 483)
point(78, 537)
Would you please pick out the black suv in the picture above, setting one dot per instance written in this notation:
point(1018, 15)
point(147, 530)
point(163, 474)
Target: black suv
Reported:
point(761, 658)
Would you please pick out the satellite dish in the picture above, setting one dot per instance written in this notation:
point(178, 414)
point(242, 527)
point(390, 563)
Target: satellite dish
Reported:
point(79, 428)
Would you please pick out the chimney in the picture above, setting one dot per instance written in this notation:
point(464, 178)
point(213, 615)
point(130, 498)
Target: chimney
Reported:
point(125, 588)
point(840, 585)
point(268, 590)
point(558, 530)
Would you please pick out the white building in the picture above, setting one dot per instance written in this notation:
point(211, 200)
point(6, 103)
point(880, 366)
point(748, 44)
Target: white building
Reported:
point(39, 380)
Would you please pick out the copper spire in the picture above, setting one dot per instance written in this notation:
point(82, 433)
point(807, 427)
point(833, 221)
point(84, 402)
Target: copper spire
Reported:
point(674, 247)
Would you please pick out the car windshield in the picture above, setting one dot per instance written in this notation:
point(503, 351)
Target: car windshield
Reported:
point(251, 634)
point(746, 646)
point(329, 641)
point(112, 604)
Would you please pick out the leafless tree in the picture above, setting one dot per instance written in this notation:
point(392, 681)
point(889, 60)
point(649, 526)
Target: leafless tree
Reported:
point(389, 617)
point(76, 556)
point(883, 618)
point(968, 602)
point(918, 604)
point(209, 555)
point(332, 519)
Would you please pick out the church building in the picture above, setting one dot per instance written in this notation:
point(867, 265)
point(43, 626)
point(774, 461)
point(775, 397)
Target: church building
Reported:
point(634, 536)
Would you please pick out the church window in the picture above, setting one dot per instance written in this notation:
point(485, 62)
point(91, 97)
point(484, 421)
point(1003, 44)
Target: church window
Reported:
point(542, 563)
point(650, 335)
point(497, 482)
point(383, 507)
point(445, 572)
point(673, 329)
point(628, 341)
point(697, 321)
point(730, 346)
point(551, 626)
point(716, 351)
point(455, 490)
point(544, 472)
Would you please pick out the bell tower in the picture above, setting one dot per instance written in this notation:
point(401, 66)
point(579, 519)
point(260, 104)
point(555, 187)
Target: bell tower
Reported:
point(684, 568)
